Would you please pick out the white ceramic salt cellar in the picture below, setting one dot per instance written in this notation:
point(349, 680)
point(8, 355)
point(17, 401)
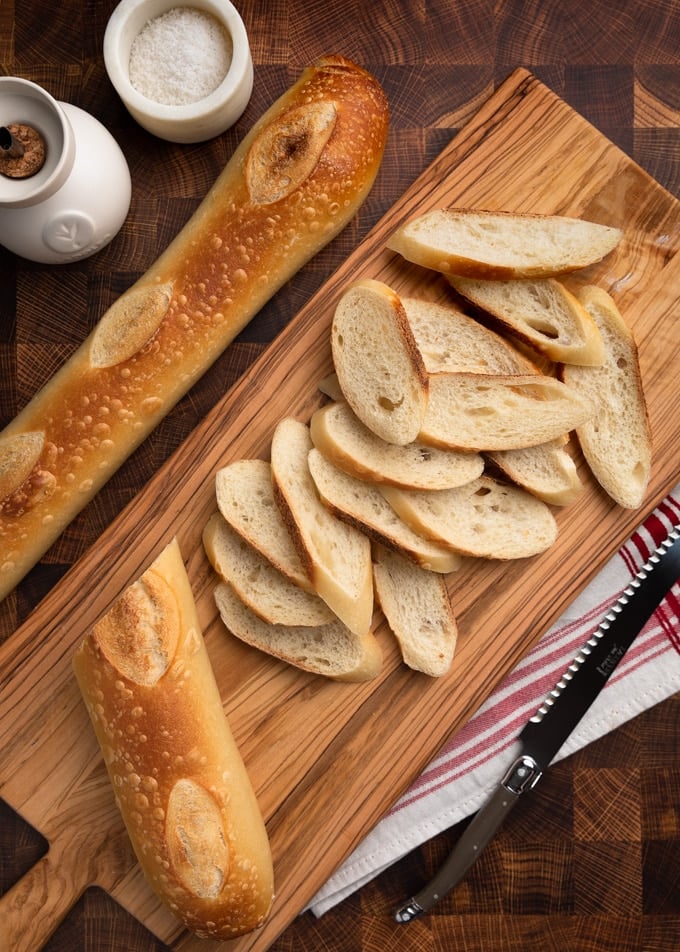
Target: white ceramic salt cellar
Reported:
point(65, 185)
point(179, 121)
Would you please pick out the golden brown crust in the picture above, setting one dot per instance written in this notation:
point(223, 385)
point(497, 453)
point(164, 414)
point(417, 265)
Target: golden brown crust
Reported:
point(291, 186)
point(177, 775)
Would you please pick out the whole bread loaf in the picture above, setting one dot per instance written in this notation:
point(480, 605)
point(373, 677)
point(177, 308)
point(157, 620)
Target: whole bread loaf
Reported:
point(176, 772)
point(293, 183)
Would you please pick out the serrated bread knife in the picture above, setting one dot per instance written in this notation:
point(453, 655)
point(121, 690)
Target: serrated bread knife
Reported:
point(545, 733)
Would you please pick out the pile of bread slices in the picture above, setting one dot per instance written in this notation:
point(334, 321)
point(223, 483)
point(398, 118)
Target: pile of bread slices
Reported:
point(444, 436)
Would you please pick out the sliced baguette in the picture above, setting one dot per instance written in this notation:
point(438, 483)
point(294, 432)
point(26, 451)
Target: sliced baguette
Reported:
point(331, 650)
point(452, 341)
point(379, 367)
point(343, 438)
point(417, 607)
point(363, 506)
point(616, 441)
point(336, 556)
point(499, 245)
point(485, 518)
point(540, 312)
point(245, 498)
point(265, 590)
point(499, 411)
point(546, 471)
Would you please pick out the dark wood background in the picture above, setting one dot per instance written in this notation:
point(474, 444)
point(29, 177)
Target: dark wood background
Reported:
point(592, 860)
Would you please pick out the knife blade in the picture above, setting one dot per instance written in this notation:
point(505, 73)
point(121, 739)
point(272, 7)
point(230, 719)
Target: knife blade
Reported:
point(546, 731)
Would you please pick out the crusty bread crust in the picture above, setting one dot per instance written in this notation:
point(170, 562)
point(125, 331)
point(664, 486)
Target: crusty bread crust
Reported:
point(294, 182)
point(178, 778)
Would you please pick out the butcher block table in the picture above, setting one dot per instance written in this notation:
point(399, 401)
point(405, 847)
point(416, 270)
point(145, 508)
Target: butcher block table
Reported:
point(487, 100)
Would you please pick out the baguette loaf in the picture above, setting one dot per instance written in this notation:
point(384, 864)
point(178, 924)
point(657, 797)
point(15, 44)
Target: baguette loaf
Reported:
point(542, 313)
point(178, 778)
point(335, 556)
point(500, 245)
point(293, 183)
point(343, 438)
point(379, 367)
point(616, 441)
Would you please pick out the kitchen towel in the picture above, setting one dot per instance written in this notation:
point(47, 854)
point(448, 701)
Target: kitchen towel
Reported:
point(461, 777)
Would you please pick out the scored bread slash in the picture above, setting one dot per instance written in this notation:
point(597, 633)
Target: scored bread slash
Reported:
point(541, 312)
point(363, 506)
point(336, 557)
point(454, 342)
point(176, 772)
point(418, 610)
point(485, 518)
point(378, 364)
point(265, 590)
point(343, 439)
point(616, 442)
point(500, 411)
point(331, 650)
point(501, 245)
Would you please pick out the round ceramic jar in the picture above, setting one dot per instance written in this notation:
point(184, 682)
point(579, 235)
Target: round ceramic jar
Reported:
point(185, 121)
point(77, 200)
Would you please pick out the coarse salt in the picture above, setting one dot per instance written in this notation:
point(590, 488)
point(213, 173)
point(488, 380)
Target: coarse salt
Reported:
point(180, 56)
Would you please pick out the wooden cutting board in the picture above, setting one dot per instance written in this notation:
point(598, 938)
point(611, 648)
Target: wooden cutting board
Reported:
point(326, 759)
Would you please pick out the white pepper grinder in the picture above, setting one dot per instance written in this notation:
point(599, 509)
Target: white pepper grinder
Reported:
point(65, 185)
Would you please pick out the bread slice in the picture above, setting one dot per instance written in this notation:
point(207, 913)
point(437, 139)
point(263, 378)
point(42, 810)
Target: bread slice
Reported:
point(616, 441)
point(452, 341)
point(245, 498)
point(541, 312)
point(500, 411)
point(418, 610)
point(265, 590)
point(331, 650)
point(363, 506)
point(336, 556)
point(485, 518)
point(343, 438)
point(379, 367)
point(546, 471)
point(499, 245)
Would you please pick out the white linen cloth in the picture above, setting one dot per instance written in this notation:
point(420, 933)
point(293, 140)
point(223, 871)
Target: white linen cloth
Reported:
point(466, 770)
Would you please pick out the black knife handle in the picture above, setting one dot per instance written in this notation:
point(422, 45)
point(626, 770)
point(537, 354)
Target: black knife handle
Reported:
point(522, 776)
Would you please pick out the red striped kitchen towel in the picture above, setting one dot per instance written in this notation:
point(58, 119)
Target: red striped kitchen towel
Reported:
point(460, 778)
